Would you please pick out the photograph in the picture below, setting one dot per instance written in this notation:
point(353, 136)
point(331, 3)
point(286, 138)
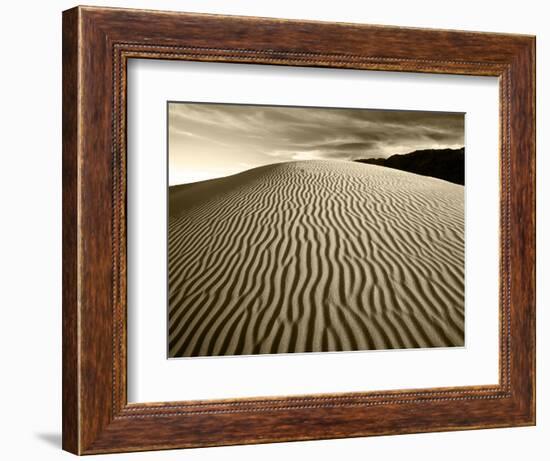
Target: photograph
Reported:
point(313, 229)
point(277, 225)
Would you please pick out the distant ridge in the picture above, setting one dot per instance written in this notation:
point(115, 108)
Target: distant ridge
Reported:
point(447, 164)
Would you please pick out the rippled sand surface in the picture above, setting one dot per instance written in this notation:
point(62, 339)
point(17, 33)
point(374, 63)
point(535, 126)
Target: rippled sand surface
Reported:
point(315, 256)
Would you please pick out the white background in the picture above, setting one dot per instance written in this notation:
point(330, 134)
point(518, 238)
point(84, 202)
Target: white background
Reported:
point(30, 244)
point(153, 378)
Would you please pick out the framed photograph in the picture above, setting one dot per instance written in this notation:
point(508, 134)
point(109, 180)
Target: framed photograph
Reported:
point(281, 230)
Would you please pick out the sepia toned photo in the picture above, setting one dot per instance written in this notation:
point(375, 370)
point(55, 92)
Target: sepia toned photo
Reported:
point(313, 229)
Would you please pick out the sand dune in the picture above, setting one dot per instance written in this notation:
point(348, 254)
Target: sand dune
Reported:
point(315, 256)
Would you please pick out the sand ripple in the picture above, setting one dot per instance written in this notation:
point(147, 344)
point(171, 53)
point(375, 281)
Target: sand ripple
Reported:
point(315, 256)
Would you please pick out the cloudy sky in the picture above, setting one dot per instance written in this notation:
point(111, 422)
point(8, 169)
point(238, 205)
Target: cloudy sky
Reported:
point(207, 141)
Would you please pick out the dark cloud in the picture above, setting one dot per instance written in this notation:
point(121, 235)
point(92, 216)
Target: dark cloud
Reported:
point(255, 135)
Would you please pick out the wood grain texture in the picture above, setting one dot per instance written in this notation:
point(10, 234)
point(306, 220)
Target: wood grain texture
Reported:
point(97, 42)
point(70, 384)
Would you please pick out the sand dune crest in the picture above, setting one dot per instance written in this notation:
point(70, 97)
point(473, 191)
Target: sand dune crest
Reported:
point(315, 256)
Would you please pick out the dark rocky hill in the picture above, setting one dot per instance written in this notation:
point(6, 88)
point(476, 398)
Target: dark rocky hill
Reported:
point(447, 164)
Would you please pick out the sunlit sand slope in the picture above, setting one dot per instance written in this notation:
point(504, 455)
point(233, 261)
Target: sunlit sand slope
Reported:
point(315, 256)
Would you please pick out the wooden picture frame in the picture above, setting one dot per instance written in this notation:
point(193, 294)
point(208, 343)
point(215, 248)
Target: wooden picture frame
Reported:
point(97, 44)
